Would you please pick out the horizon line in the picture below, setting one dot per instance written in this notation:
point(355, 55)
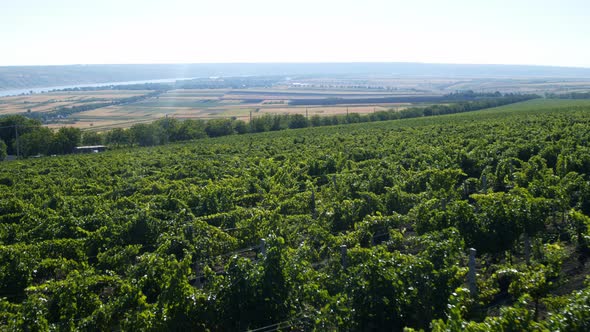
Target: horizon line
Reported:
point(297, 63)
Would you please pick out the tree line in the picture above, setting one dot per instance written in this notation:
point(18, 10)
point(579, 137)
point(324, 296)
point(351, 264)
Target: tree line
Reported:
point(27, 137)
point(570, 95)
point(196, 83)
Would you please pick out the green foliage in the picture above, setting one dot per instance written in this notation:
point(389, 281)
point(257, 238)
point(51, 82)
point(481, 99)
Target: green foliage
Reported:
point(574, 316)
point(3, 152)
point(65, 140)
point(219, 127)
point(118, 137)
point(37, 142)
point(168, 237)
point(298, 121)
point(146, 135)
point(11, 125)
point(92, 138)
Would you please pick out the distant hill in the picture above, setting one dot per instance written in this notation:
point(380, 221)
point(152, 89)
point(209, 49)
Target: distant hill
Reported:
point(23, 77)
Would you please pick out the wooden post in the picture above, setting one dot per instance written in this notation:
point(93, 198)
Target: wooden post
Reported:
point(344, 254)
point(263, 247)
point(471, 277)
point(198, 283)
point(312, 204)
point(484, 184)
point(527, 248)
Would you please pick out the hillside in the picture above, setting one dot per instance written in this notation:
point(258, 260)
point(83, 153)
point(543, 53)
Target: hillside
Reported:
point(353, 227)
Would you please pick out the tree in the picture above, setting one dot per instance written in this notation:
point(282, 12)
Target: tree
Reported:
point(316, 120)
point(219, 127)
point(190, 129)
point(92, 138)
point(261, 123)
point(241, 127)
point(168, 128)
point(118, 137)
point(2, 150)
point(145, 134)
point(298, 121)
point(65, 140)
point(8, 130)
point(278, 123)
point(36, 142)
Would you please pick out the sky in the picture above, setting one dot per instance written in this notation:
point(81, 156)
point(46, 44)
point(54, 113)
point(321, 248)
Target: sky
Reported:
point(56, 32)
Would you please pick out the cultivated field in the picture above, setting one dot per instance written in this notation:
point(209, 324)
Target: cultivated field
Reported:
point(439, 85)
point(309, 96)
point(46, 102)
point(217, 103)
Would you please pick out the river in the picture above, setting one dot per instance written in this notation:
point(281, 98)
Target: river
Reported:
point(16, 92)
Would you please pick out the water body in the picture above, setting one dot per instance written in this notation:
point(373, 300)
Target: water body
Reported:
point(16, 92)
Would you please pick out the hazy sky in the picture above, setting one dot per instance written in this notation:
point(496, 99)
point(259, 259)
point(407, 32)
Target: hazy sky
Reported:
point(543, 32)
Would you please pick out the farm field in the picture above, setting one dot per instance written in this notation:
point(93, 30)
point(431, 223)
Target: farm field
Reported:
point(354, 227)
point(49, 101)
point(440, 85)
point(303, 95)
point(139, 112)
point(194, 104)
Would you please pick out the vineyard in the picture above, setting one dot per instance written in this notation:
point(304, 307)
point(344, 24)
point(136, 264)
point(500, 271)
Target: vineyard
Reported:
point(362, 226)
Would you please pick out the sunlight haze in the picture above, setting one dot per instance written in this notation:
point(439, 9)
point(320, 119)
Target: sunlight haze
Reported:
point(36, 32)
